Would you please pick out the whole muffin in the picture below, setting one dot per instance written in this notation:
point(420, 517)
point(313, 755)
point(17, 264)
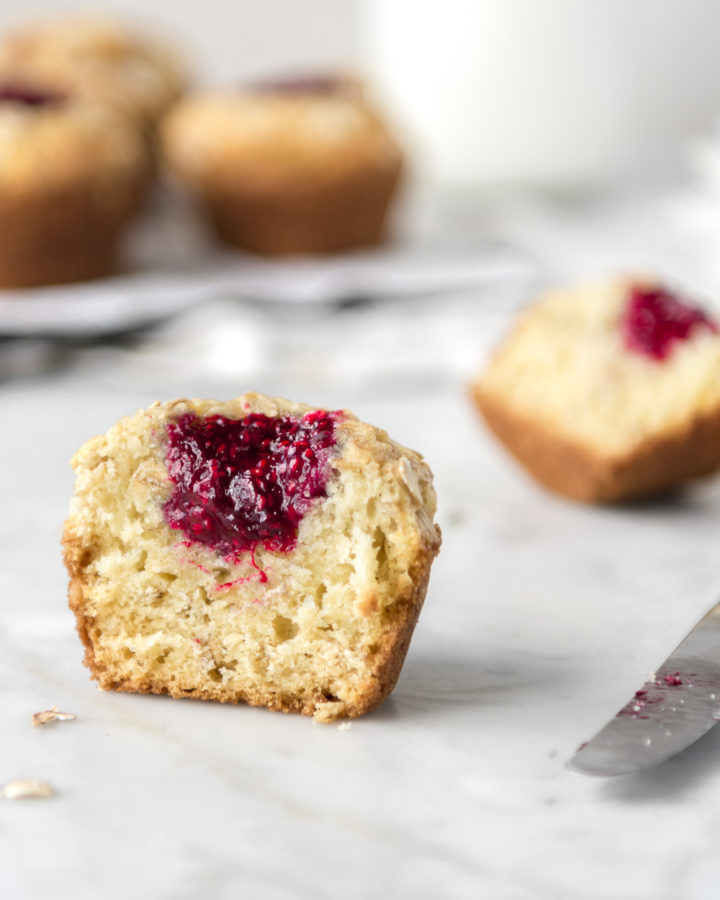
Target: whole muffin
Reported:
point(98, 59)
point(72, 173)
point(301, 166)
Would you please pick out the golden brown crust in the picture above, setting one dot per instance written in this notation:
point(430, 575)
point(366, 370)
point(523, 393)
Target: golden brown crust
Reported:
point(65, 235)
point(381, 624)
point(351, 213)
point(569, 468)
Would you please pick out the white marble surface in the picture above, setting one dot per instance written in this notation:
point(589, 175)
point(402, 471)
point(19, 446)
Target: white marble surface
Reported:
point(542, 617)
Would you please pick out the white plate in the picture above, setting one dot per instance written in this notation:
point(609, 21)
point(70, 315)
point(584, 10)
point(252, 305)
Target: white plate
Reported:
point(172, 265)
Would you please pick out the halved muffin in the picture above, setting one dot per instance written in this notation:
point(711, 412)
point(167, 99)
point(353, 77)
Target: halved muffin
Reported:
point(608, 391)
point(256, 550)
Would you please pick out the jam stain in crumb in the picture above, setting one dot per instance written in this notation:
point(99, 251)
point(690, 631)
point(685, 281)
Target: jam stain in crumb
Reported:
point(242, 483)
point(655, 320)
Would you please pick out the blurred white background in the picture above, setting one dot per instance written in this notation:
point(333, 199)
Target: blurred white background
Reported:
point(548, 92)
point(230, 40)
point(531, 92)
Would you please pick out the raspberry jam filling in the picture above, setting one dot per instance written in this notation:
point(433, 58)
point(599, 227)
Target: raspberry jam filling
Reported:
point(655, 320)
point(21, 95)
point(239, 483)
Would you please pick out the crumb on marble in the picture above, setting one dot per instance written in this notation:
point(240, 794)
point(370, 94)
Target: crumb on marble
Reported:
point(51, 715)
point(25, 789)
point(328, 711)
point(345, 725)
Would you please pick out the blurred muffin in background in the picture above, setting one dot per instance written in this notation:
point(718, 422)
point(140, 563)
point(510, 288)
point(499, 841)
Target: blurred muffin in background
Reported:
point(72, 173)
point(99, 59)
point(608, 391)
point(305, 165)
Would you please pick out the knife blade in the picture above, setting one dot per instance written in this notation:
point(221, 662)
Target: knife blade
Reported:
point(678, 705)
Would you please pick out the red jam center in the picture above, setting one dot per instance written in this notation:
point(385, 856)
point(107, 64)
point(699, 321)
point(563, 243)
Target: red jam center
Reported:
point(655, 320)
point(26, 96)
point(244, 482)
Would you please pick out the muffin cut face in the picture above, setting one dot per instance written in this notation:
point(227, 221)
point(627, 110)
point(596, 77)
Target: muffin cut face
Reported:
point(255, 551)
point(608, 392)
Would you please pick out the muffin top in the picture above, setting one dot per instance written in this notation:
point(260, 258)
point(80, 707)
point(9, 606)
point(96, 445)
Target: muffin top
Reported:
point(98, 59)
point(282, 133)
point(53, 140)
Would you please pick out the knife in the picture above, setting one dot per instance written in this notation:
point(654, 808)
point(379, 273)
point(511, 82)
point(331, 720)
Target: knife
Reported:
point(679, 704)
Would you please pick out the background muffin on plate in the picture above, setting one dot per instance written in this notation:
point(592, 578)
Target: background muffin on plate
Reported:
point(100, 59)
point(72, 173)
point(297, 166)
